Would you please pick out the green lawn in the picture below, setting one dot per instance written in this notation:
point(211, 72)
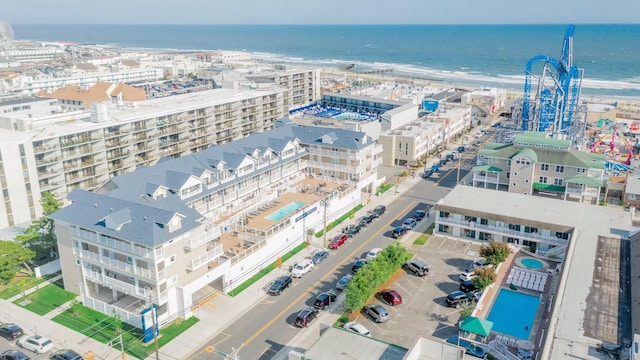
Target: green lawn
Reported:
point(103, 329)
point(422, 239)
point(45, 299)
point(19, 285)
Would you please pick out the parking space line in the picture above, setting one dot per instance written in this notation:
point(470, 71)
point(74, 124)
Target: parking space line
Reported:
point(455, 243)
point(403, 289)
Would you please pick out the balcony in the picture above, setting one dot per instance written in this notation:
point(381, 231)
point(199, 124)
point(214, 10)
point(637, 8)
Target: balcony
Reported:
point(116, 284)
point(330, 166)
point(339, 154)
point(205, 258)
point(499, 230)
point(196, 241)
point(124, 266)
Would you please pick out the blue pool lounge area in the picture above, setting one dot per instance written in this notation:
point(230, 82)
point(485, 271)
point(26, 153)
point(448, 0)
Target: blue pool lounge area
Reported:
point(284, 211)
point(513, 313)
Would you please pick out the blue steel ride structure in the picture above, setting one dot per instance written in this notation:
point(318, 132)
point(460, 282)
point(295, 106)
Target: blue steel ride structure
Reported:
point(553, 107)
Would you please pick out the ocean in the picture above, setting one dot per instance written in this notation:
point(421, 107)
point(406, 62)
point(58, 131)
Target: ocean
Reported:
point(471, 55)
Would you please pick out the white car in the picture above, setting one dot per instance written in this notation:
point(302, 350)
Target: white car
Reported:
point(373, 253)
point(37, 343)
point(357, 328)
point(468, 274)
point(302, 268)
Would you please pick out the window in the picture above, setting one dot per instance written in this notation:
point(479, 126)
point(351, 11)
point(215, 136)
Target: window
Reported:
point(129, 260)
point(543, 179)
point(581, 170)
point(511, 240)
point(78, 262)
point(530, 230)
point(559, 168)
point(515, 173)
point(557, 181)
point(514, 184)
point(544, 167)
point(172, 259)
point(484, 221)
point(515, 227)
point(444, 214)
point(508, 174)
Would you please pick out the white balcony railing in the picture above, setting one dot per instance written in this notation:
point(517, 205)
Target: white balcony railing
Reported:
point(194, 242)
point(117, 264)
point(499, 230)
point(114, 283)
point(205, 258)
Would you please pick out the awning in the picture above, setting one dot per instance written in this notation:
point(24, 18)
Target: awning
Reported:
point(584, 180)
point(487, 168)
point(476, 326)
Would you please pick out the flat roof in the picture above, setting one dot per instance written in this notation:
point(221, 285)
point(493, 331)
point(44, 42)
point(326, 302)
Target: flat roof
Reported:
point(591, 224)
point(342, 344)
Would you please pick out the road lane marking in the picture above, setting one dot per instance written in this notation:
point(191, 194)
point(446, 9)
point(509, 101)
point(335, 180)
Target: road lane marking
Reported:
point(319, 281)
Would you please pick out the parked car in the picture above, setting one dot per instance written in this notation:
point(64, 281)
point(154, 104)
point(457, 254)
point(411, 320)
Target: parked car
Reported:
point(352, 229)
point(419, 215)
point(443, 162)
point(306, 317)
point(279, 285)
point(65, 354)
point(357, 328)
point(377, 313)
point(302, 268)
point(343, 282)
point(459, 298)
point(13, 355)
point(409, 223)
point(36, 343)
point(391, 297)
point(478, 143)
point(468, 274)
point(324, 299)
point(379, 210)
point(10, 331)
point(373, 253)
point(479, 264)
point(337, 241)
point(427, 174)
point(417, 267)
point(398, 232)
point(462, 148)
point(469, 286)
point(367, 219)
point(358, 264)
point(319, 255)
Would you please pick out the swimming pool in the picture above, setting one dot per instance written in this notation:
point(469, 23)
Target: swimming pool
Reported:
point(532, 263)
point(349, 116)
point(284, 211)
point(513, 313)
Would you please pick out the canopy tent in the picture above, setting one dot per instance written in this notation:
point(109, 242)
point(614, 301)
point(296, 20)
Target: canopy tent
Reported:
point(476, 326)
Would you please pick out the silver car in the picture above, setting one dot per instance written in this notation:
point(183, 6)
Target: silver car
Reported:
point(377, 313)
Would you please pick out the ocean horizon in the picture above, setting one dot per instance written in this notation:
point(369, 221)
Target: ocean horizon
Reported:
point(469, 55)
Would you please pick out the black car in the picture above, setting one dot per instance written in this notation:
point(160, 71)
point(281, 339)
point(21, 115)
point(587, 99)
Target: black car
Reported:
point(458, 298)
point(352, 230)
point(469, 286)
point(461, 148)
point(10, 331)
point(279, 285)
point(443, 162)
point(13, 355)
point(323, 300)
point(367, 219)
point(306, 316)
point(398, 232)
point(419, 214)
point(319, 255)
point(358, 264)
point(65, 354)
point(379, 210)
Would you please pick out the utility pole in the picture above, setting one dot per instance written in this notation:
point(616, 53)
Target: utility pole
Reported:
point(459, 161)
point(324, 231)
point(426, 154)
point(153, 318)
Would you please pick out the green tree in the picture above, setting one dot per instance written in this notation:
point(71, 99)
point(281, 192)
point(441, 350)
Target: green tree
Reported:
point(40, 235)
point(495, 253)
point(484, 277)
point(12, 256)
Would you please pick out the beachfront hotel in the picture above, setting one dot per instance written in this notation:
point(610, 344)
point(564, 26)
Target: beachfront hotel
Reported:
point(533, 164)
point(587, 299)
point(184, 228)
point(79, 149)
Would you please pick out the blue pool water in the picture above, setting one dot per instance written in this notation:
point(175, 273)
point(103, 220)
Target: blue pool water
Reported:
point(349, 116)
point(284, 211)
point(532, 263)
point(513, 313)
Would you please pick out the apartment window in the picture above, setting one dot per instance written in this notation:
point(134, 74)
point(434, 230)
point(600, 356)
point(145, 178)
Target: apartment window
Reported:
point(511, 240)
point(444, 214)
point(559, 168)
point(77, 262)
point(484, 222)
point(508, 174)
point(557, 181)
point(581, 170)
point(129, 260)
point(515, 227)
point(172, 259)
point(530, 230)
point(543, 179)
point(544, 167)
point(470, 218)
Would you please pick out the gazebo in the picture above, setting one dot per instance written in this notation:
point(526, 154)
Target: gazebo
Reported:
point(476, 326)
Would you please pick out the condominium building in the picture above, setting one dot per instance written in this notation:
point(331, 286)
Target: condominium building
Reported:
point(83, 150)
point(186, 227)
point(301, 86)
point(535, 164)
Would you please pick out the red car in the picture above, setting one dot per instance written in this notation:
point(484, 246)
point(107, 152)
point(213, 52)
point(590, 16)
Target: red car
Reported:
point(338, 240)
point(391, 297)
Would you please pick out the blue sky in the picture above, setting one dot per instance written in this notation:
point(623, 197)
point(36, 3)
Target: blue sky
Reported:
point(320, 11)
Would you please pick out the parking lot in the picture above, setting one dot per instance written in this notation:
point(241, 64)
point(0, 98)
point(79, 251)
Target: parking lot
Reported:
point(423, 311)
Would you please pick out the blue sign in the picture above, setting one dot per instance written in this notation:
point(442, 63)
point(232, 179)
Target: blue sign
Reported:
point(147, 330)
point(308, 212)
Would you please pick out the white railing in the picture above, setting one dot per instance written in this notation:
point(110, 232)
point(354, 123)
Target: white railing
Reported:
point(340, 154)
point(129, 289)
point(329, 166)
point(486, 179)
point(211, 234)
point(247, 189)
point(547, 239)
point(124, 266)
point(205, 258)
point(113, 243)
